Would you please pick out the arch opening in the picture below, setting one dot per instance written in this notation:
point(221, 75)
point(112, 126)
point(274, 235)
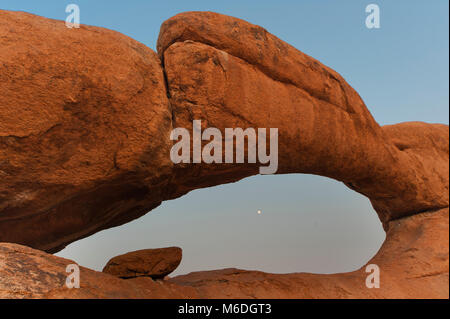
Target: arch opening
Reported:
point(276, 224)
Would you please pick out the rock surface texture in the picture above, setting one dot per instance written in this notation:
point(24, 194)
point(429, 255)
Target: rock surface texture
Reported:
point(85, 122)
point(31, 273)
point(84, 131)
point(154, 263)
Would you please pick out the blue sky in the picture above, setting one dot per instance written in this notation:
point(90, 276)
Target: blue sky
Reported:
point(308, 223)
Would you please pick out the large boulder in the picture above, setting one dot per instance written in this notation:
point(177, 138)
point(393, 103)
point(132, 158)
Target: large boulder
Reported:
point(84, 130)
point(155, 263)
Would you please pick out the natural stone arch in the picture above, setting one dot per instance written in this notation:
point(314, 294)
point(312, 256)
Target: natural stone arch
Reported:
point(85, 120)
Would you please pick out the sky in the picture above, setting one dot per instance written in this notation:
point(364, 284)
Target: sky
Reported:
point(307, 223)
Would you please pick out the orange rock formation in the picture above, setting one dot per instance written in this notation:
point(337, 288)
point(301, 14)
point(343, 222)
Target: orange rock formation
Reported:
point(85, 120)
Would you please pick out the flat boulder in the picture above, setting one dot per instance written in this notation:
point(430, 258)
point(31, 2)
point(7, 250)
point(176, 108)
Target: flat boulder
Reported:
point(154, 263)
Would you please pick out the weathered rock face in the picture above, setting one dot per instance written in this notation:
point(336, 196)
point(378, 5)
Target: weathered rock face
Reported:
point(154, 263)
point(85, 120)
point(84, 130)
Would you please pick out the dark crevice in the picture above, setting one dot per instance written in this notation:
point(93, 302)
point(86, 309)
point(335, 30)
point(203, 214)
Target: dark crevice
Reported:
point(424, 211)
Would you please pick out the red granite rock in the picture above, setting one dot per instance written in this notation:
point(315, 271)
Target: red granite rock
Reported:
point(154, 263)
point(85, 122)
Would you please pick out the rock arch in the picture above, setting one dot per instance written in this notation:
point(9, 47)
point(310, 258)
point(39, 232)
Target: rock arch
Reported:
point(86, 114)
